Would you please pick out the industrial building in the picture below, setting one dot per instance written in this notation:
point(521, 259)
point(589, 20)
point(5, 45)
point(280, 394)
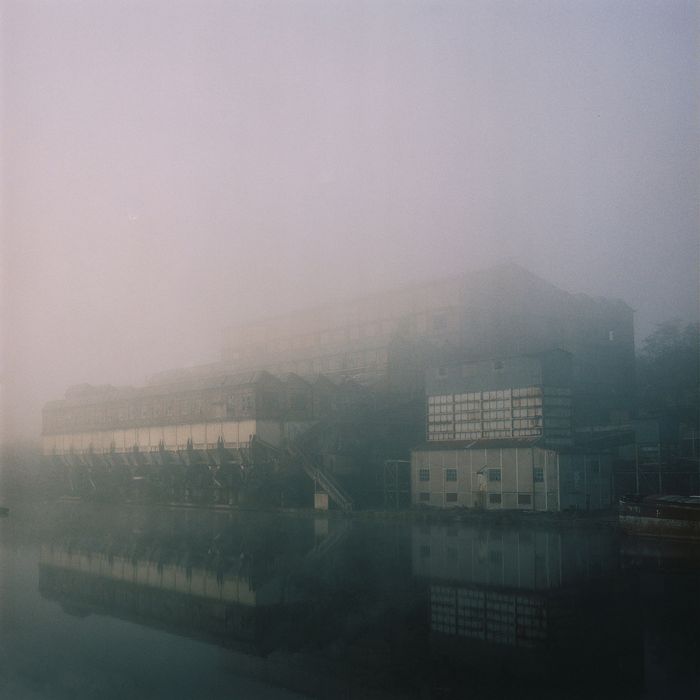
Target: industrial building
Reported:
point(349, 381)
point(199, 414)
point(197, 439)
point(388, 339)
point(499, 435)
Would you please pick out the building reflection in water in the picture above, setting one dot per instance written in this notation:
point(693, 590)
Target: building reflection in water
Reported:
point(331, 607)
point(530, 603)
point(225, 580)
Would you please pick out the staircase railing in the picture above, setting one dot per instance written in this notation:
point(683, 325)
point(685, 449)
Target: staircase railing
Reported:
point(326, 481)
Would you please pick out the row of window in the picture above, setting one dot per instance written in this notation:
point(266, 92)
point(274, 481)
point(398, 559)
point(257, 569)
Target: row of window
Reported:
point(507, 428)
point(494, 474)
point(435, 408)
point(364, 359)
point(524, 499)
point(521, 403)
point(313, 340)
point(528, 416)
point(157, 409)
point(448, 435)
point(447, 416)
point(551, 394)
point(279, 339)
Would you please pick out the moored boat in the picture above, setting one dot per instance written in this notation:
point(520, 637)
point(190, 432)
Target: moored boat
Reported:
point(661, 516)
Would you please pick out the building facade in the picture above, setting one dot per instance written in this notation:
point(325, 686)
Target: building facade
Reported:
point(389, 339)
point(526, 396)
point(565, 360)
point(516, 476)
point(194, 414)
point(499, 436)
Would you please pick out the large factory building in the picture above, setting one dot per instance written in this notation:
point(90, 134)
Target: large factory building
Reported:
point(389, 339)
point(287, 379)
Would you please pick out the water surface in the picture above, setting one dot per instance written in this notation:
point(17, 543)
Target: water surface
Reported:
point(113, 602)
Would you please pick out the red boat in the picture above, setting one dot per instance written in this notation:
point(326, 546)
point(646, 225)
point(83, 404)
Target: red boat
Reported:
point(661, 516)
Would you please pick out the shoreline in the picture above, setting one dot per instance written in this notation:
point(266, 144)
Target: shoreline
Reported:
point(425, 515)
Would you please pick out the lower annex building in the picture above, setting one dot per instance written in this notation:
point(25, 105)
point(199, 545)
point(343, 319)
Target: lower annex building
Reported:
point(499, 436)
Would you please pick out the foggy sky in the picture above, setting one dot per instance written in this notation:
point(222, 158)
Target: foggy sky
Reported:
point(171, 167)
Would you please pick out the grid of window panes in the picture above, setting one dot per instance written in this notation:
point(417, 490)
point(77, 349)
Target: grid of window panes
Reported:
point(441, 416)
point(506, 413)
point(527, 412)
point(468, 416)
point(443, 609)
point(497, 413)
point(515, 620)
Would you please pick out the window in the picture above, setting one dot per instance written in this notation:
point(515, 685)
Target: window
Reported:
point(495, 498)
point(442, 372)
point(495, 475)
point(498, 365)
point(425, 550)
point(424, 474)
point(424, 496)
point(450, 498)
point(538, 474)
point(595, 466)
point(524, 499)
point(450, 475)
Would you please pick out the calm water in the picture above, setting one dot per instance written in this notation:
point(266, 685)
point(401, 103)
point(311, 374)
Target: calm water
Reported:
point(125, 602)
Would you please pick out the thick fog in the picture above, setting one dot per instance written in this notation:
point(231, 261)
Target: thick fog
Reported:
point(171, 167)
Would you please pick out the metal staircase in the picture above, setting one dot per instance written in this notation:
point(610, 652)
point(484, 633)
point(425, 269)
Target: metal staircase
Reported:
point(323, 479)
point(296, 452)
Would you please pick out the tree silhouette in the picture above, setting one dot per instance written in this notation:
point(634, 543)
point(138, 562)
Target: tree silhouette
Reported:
point(668, 372)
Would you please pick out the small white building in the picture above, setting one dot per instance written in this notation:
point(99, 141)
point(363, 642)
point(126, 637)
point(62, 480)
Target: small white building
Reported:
point(506, 474)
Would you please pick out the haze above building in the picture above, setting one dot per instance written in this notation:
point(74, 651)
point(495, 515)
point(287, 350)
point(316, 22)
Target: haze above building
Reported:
point(172, 168)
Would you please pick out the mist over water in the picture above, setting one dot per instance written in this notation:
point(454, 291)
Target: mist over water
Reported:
point(169, 603)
